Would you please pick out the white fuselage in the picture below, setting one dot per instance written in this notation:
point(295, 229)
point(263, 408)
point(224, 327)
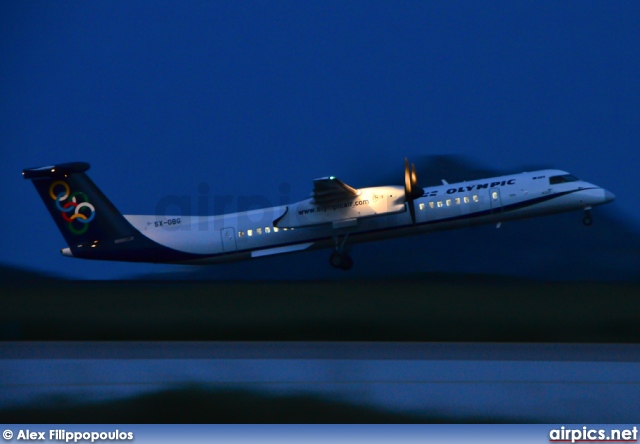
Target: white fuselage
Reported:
point(375, 213)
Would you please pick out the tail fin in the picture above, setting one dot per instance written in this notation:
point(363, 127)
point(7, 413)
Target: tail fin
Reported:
point(82, 212)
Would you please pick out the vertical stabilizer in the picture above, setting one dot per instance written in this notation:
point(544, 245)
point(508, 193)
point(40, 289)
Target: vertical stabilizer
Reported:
point(81, 211)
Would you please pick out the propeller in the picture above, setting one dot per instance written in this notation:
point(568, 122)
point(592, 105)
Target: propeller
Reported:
point(411, 189)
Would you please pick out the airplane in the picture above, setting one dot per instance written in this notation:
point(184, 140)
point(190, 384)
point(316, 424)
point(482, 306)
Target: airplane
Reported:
point(334, 214)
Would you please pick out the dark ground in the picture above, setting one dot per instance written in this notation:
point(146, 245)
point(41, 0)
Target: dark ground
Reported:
point(428, 308)
point(435, 307)
point(192, 405)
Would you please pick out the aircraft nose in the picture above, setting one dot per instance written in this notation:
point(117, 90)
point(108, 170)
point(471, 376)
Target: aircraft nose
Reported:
point(608, 196)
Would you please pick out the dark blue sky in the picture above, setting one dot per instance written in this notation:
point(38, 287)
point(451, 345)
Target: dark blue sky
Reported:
point(162, 96)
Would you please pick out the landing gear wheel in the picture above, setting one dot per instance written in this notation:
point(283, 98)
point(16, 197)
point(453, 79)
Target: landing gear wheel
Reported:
point(587, 219)
point(347, 263)
point(335, 259)
point(342, 261)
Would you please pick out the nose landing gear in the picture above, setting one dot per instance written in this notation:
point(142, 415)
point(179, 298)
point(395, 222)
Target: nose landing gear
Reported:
point(587, 219)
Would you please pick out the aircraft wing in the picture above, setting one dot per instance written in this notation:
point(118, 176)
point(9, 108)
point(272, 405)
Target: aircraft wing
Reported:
point(331, 189)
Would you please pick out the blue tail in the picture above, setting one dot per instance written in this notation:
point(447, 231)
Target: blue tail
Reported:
point(88, 221)
point(81, 211)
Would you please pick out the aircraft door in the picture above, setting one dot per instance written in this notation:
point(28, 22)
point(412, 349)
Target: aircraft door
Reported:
point(228, 239)
point(495, 199)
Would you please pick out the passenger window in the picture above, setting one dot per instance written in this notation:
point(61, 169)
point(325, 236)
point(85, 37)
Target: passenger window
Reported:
point(431, 205)
point(267, 230)
point(475, 198)
point(494, 195)
point(275, 229)
point(448, 202)
point(439, 204)
point(240, 233)
point(457, 201)
point(258, 230)
point(422, 206)
point(466, 199)
point(249, 232)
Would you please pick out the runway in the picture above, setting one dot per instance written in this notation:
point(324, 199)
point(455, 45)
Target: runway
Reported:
point(500, 382)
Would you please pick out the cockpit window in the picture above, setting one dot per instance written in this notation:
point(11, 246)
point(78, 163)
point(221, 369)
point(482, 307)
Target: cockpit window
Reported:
point(562, 179)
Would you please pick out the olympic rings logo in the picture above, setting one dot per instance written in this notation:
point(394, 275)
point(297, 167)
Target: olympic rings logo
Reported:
point(71, 210)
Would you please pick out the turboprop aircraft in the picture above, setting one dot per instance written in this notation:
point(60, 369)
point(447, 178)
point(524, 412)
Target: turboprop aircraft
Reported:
point(335, 216)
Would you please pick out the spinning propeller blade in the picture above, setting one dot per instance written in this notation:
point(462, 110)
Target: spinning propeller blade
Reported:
point(411, 189)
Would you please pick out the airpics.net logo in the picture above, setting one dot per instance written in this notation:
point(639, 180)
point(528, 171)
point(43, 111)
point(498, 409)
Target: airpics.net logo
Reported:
point(586, 434)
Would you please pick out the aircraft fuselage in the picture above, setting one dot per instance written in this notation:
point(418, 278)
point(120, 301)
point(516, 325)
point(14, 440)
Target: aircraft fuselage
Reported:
point(375, 213)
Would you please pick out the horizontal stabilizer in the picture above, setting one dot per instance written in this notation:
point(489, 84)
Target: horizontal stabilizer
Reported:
point(61, 169)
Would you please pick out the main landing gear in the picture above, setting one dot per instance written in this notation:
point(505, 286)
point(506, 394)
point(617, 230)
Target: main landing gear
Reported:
point(340, 258)
point(587, 219)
